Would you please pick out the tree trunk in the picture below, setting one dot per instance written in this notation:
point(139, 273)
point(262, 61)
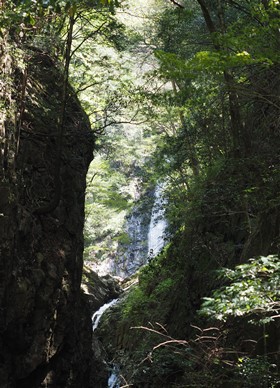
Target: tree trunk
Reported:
point(239, 134)
point(194, 163)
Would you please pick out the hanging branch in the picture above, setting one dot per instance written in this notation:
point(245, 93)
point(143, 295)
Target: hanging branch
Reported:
point(89, 36)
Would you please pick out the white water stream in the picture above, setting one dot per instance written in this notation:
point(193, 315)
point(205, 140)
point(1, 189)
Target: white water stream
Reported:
point(113, 381)
point(155, 243)
point(157, 224)
point(98, 314)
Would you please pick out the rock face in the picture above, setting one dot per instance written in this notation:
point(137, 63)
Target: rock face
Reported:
point(44, 322)
point(134, 254)
point(99, 290)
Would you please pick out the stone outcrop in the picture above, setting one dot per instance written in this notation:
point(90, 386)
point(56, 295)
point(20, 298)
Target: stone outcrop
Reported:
point(99, 289)
point(44, 321)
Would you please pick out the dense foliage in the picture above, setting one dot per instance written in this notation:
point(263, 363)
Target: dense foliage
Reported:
point(209, 98)
point(253, 292)
point(214, 102)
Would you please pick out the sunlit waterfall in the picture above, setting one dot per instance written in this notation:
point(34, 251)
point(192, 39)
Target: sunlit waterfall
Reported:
point(157, 224)
point(98, 314)
point(136, 255)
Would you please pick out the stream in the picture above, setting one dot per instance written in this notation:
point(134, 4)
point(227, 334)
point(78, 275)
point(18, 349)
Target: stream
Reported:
point(98, 314)
point(155, 242)
point(157, 225)
point(113, 381)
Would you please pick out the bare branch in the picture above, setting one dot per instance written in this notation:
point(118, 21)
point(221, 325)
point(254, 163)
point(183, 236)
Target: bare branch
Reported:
point(166, 343)
point(153, 331)
point(162, 327)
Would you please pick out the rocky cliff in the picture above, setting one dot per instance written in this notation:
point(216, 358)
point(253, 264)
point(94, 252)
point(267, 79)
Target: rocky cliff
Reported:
point(44, 322)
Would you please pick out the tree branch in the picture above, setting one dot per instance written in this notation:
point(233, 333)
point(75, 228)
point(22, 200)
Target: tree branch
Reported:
point(88, 37)
point(177, 4)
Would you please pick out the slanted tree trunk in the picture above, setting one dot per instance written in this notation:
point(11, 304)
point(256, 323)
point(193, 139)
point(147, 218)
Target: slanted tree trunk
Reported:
point(240, 137)
point(194, 163)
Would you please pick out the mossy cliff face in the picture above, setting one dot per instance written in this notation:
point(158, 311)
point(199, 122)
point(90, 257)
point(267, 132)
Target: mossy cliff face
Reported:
point(45, 323)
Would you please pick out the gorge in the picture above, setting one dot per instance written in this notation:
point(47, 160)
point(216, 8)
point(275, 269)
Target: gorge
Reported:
point(139, 194)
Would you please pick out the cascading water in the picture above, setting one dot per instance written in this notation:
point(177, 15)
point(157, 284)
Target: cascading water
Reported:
point(113, 381)
point(98, 314)
point(142, 241)
point(157, 224)
point(146, 239)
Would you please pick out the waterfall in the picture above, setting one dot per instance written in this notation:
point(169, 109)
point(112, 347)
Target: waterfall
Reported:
point(157, 224)
point(155, 243)
point(145, 238)
point(142, 240)
point(114, 380)
point(98, 314)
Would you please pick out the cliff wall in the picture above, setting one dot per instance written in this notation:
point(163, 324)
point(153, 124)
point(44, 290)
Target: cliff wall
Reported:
point(44, 322)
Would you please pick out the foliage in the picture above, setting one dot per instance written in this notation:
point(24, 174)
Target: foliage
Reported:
point(210, 105)
point(203, 361)
point(253, 292)
point(152, 294)
point(192, 102)
point(98, 72)
point(257, 372)
point(116, 181)
point(107, 201)
point(106, 74)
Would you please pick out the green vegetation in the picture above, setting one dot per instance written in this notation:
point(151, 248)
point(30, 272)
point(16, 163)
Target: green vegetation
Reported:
point(253, 292)
point(213, 101)
point(203, 116)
